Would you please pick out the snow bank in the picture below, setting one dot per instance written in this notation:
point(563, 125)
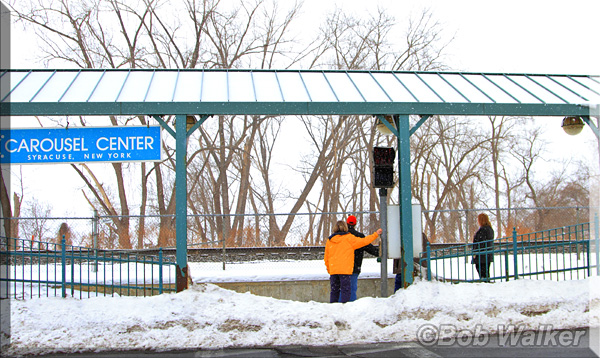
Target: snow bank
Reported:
point(206, 316)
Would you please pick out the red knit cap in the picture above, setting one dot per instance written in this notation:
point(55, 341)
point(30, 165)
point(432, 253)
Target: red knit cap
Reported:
point(351, 220)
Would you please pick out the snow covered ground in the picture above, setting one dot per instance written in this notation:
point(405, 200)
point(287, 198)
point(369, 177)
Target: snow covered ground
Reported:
point(206, 316)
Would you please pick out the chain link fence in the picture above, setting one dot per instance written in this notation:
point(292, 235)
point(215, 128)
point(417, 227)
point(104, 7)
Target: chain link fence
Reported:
point(249, 237)
point(459, 226)
point(204, 231)
point(276, 230)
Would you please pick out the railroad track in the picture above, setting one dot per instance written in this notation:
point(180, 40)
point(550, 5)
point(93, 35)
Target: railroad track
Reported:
point(243, 254)
point(236, 254)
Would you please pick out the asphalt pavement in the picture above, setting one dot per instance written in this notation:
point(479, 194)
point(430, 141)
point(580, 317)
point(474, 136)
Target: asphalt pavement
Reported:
point(547, 344)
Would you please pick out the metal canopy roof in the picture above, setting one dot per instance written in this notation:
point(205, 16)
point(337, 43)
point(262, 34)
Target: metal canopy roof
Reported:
point(287, 92)
point(290, 92)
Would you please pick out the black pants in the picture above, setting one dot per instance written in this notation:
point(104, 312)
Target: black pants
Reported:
point(397, 282)
point(340, 283)
point(482, 264)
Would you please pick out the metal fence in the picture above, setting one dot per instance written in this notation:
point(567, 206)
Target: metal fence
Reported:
point(94, 263)
point(267, 230)
point(204, 230)
point(459, 225)
point(557, 254)
point(38, 269)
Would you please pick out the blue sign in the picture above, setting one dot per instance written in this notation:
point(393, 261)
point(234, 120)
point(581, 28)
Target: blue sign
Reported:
point(80, 144)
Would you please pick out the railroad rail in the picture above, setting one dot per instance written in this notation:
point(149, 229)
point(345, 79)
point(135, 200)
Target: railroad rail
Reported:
point(243, 254)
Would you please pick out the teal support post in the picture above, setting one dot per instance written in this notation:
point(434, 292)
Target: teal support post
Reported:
point(515, 258)
point(404, 186)
point(428, 261)
point(506, 264)
point(181, 272)
point(160, 271)
point(63, 261)
point(72, 272)
point(589, 264)
point(95, 234)
point(597, 240)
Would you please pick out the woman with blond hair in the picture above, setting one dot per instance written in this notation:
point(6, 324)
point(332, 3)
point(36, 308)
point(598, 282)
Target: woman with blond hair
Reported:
point(483, 247)
point(339, 259)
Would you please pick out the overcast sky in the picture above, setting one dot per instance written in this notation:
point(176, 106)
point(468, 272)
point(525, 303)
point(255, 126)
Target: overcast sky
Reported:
point(523, 36)
point(529, 36)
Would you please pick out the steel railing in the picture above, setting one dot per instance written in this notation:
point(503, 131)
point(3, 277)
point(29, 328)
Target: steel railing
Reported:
point(38, 269)
point(562, 253)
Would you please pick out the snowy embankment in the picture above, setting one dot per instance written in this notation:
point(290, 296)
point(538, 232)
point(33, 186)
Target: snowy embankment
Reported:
point(206, 316)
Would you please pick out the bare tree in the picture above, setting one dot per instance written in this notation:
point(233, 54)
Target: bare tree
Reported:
point(75, 33)
point(512, 181)
point(448, 153)
point(425, 47)
point(37, 226)
point(364, 42)
point(529, 153)
point(115, 34)
point(501, 140)
point(6, 210)
point(148, 36)
point(12, 213)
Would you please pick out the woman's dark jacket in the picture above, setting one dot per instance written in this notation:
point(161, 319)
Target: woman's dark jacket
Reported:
point(359, 253)
point(483, 245)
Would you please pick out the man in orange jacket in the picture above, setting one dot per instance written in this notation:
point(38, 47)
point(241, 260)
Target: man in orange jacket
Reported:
point(339, 259)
